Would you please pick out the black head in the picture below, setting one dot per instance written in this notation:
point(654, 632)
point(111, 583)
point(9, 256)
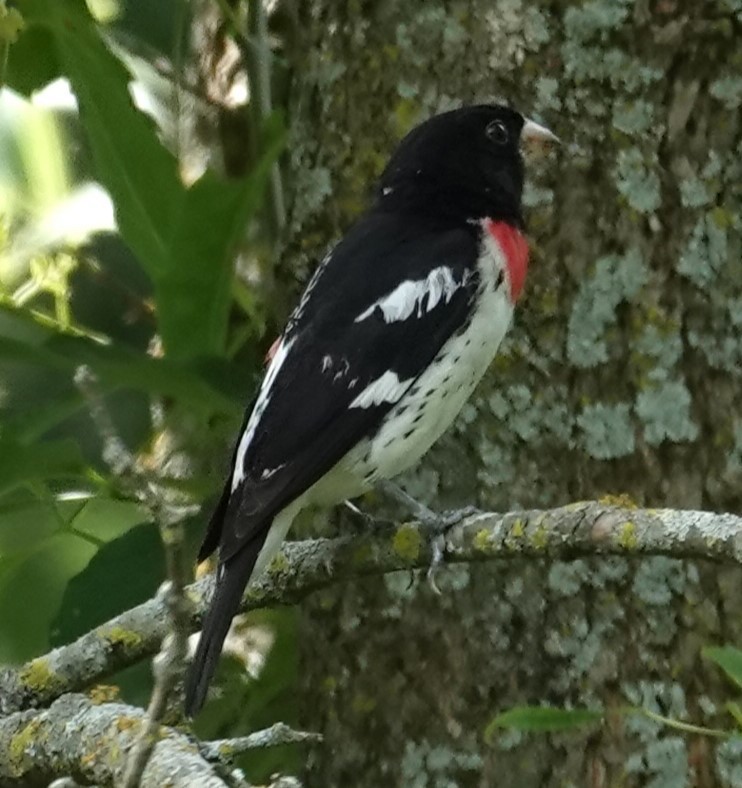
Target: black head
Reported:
point(463, 164)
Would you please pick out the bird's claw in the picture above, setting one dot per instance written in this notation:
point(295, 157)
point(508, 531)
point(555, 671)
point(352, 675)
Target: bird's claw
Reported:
point(439, 526)
point(438, 546)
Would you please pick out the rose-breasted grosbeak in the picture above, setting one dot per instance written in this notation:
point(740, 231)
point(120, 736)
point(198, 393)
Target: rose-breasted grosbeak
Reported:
point(393, 332)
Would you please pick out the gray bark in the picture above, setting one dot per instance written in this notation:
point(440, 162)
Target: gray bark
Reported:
point(620, 376)
point(90, 742)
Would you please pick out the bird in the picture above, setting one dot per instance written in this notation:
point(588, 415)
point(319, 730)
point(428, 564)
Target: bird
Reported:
point(393, 331)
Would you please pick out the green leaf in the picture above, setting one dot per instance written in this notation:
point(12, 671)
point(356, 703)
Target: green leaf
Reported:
point(25, 525)
point(32, 62)
point(107, 519)
point(21, 464)
point(194, 293)
point(729, 659)
point(736, 712)
point(542, 719)
point(31, 586)
point(184, 237)
point(27, 519)
point(121, 574)
point(115, 366)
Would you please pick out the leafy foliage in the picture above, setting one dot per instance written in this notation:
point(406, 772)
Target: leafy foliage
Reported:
point(151, 307)
point(161, 219)
point(540, 719)
point(729, 659)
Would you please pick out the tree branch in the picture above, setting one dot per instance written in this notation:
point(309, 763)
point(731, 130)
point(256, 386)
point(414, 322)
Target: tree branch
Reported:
point(582, 529)
point(90, 743)
point(275, 736)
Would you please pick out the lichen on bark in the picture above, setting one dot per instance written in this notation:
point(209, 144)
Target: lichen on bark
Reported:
point(620, 375)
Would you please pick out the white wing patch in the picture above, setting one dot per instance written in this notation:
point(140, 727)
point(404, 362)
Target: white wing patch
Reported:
point(409, 296)
point(387, 388)
point(264, 396)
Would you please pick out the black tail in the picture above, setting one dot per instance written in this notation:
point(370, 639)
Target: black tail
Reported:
point(232, 577)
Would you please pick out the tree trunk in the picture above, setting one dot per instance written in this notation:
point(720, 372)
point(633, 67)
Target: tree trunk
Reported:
point(620, 376)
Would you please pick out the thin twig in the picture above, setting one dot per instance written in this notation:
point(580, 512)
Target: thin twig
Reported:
point(169, 664)
point(115, 453)
point(679, 725)
point(275, 736)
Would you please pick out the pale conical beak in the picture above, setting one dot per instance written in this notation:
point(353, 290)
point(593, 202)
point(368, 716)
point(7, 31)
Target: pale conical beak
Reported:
point(535, 134)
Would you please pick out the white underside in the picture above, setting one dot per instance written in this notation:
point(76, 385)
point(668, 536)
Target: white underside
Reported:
point(423, 414)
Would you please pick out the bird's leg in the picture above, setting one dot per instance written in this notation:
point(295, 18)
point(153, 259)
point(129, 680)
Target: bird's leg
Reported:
point(418, 510)
point(367, 519)
point(436, 523)
point(358, 512)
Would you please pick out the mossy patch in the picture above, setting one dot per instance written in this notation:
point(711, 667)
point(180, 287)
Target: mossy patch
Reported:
point(623, 500)
point(126, 723)
point(19, 744)
point(38, 676)
point(407, 542)
point(253, 593)
point(279, 564)
point(627, 537)
point(482, 541)
point(540, 538)
point(88, 760)
point(103, 693)
point(518, 529)
point(119, 636)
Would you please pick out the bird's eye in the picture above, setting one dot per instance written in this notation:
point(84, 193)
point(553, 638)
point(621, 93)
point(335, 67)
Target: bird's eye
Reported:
point(497, 132)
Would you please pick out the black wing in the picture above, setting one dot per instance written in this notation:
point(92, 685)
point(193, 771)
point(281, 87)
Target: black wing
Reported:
point(306, 423)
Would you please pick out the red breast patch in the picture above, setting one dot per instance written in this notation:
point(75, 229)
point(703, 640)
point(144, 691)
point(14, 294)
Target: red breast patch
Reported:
point(515, 248)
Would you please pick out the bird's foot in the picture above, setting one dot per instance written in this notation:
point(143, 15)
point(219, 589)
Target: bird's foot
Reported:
point(437, 524)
